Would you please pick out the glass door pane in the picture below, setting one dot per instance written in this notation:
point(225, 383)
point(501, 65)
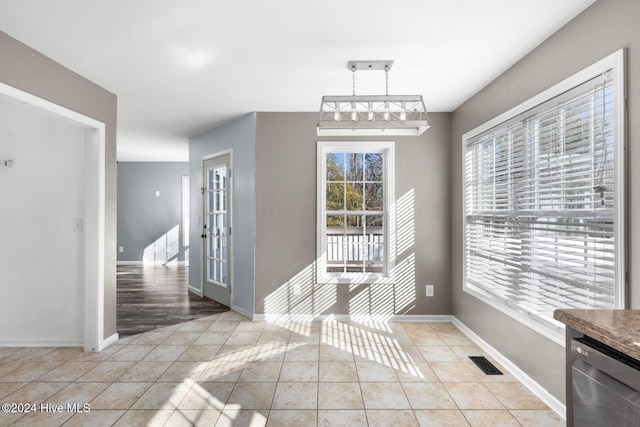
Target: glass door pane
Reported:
point(216, 193)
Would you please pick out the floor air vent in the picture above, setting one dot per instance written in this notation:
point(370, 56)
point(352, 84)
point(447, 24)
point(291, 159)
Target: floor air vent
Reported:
point(485, 366)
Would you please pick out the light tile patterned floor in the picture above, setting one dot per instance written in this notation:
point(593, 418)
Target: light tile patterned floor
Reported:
point(226, 371)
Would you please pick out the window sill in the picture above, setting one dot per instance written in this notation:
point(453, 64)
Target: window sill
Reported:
point(353, 279)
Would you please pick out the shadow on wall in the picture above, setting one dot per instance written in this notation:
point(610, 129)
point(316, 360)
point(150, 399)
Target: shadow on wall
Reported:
point(302, 297)
point(164, 250)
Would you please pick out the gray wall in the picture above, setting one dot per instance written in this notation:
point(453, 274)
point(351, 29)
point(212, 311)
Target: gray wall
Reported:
point(143, 218)
point(30, 71)
point(239, 136)
point(603, 28)
point(286, 223)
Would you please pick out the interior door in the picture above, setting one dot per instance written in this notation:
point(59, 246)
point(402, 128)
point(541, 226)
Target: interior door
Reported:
point(217, 229)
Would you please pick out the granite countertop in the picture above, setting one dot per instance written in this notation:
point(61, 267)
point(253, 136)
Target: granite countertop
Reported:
point(619, 329)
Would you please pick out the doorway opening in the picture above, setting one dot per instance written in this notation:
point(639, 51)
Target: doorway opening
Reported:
point(83, 323)
point(153, 249)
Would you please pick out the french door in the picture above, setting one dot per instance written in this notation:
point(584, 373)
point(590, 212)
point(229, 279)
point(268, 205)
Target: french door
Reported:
point(216, 229)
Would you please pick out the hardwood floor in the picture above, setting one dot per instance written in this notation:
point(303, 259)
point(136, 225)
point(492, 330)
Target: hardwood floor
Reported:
point(150, 297)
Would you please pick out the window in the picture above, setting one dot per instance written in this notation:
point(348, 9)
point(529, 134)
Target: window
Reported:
point(354, 221)
point(543, 201)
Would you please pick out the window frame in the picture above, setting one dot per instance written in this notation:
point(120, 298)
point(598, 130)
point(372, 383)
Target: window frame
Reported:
point(388, 149)
point(615, 62)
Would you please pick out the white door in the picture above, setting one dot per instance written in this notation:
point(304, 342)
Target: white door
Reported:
point(216, 283)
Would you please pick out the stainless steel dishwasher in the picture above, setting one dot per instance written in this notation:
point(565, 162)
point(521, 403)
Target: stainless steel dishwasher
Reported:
point(606, 386)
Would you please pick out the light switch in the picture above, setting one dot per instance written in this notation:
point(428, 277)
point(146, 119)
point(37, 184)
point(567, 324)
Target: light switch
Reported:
point(157, 193)
point(77, 225)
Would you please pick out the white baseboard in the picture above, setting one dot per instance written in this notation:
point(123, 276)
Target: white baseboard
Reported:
point(195, 291)
point(71, 342)
point(433, 318)
point(552, 402)
point(55, 343)
point(350, 318)
point(299, 317)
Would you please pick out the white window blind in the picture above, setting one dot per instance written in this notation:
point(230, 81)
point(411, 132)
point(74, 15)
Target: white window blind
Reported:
point(542, 223)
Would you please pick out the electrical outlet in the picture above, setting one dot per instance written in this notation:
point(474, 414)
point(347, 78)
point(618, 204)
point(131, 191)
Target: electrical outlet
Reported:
point(121, 249)
point(430, 290)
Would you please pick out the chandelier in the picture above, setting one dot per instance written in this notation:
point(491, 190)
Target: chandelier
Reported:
point(372, 114)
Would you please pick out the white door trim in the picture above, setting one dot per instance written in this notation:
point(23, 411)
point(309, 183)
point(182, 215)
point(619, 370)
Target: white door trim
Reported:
point(94, 211)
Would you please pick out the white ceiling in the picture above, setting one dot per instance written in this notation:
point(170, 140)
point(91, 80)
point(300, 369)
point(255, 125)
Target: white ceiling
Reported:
point(182, 67)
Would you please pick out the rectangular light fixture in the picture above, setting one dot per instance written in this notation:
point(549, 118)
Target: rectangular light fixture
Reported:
point(372, 115)
point(368, 115)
